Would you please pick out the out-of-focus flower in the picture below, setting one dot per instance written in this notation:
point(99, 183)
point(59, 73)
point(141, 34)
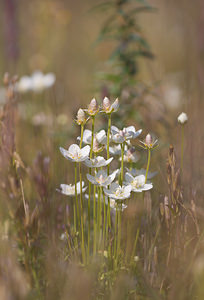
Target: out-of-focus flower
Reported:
point(75, 154)
point(93, 108)
point(182, 118)
point(121, 136)
point(101, 178)
point(108, 108)
point(25, 84)
point(62, 119)
point(135, 172)
point(137, 183)
point(149, 143)
point(116, 149)
point(118, 192)
point(97, 162)
point(100, 137)
point(42, 119)
point(69, 189)
point(114, 205)
point(37, 82)
point(131, 156)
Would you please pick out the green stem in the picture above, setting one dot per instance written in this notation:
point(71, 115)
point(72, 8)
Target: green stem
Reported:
point(122, 163)
point(148, 164)
point(82, 217)
point(108, 141)
point(77, 204)
point(119, 232)
point(94, 217)
point(104, 219)
point(182, 146)
point(82, 133)
point(92, 136)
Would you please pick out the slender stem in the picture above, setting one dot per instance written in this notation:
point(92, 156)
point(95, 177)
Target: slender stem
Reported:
point(92, 136)
point(119, 231)
point(104, 219)
point(94, 217)
point(115, 233)
point(108, 141)
point(77, 204)
point(135, 243)
point(122, 163)
point(148, 164)
point(182, 146)
point(82, 217)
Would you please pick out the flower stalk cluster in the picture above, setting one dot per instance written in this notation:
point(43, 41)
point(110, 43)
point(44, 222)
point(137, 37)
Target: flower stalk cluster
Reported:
point(108, 189)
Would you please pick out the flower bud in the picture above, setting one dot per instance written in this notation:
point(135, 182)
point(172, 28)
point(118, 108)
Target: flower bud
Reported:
point(148, 140)
point(106, 104)
point(182, 118)
point(93, 107)
point(80, 117)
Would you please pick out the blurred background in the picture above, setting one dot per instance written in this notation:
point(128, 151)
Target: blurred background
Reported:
point(62, 37)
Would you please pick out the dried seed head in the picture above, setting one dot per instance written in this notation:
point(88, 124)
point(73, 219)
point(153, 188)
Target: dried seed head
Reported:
point(93, 107)
point(80, 117)
point(148, 140)
point(106, 104)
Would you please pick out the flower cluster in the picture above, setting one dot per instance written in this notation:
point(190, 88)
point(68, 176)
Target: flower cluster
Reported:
point(37, 82)
point(119, 144)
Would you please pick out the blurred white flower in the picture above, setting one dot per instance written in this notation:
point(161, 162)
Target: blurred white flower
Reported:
point(135, 172)
point(101, 178)
point(37, 82)
point(108, 108)
point(182, 118)
point(97, 162)
point(131, 156)
point(137, 183)
point(121, 136)
point(118, 192)
point(41, 119)
point(24, 84)
point(75, 154)
point(100, 137)
point(69, 189)
point(114, 205)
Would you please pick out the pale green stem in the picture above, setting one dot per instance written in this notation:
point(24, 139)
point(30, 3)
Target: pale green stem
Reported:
point(104, 219)
point(148, 164)
point(94, 217)
point(82, 133)
point(77, 204)
point(119, 232)
point(108, 141)
point(122, 163)
point(82, 217)
point(135, 243)
point(182, 146)
point(115, 233)
point(92, 136)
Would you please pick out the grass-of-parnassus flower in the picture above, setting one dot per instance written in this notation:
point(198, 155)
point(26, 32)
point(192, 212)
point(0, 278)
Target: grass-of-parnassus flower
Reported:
point(97, 162)
point(121, 136)
point(69, 189)
point(109, 108)
point(75, 154)
point(100, 137)
point(118, 192)
point(137, 183)
point(182, 118)
point(101, 178)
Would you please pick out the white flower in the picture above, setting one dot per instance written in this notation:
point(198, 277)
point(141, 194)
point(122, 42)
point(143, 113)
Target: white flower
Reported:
point(37, 82)
point(93, 107)
point(137, 183)
point(75, 154)
point(130, 156)
point(108, 108)
point(116, 149)
point(100, 137)
point(69, 189)
point(118, 192)
point(114, 205)
point(101, 178)
point(182, 118)
point(120, 136)
point(97, 162)
point(135, 172)
point(24, 85)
